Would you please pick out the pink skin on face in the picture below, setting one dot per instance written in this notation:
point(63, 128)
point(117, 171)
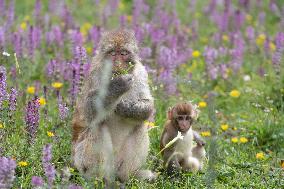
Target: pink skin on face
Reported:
point(119, 55)
point(184, 122)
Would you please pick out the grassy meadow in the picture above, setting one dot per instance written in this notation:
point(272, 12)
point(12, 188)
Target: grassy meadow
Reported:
point(225, 56)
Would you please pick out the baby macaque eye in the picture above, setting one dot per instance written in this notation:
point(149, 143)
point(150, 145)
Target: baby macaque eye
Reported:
point(180, 118)
point(112, 53)
point(124, 52)
point(187, 118)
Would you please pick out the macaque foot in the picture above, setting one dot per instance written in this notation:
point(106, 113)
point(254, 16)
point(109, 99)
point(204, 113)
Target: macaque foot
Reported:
point(146, 175)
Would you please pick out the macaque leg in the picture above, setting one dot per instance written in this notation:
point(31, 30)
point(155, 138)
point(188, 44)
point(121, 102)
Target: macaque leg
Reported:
point(199, 153)
point(93, 156)
point(146, 175)
point(134, 154)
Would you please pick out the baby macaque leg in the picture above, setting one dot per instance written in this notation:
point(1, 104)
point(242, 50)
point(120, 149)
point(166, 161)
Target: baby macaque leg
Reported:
point(190, 164)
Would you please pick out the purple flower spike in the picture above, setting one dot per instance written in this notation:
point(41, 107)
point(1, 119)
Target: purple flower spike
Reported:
point(32, 117)
point(7, 171)
point(3, 85)
point(49, 169)
point(13, 100)
point(37, 181)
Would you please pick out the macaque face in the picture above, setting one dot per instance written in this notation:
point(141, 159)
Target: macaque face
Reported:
point(121, 60)
point(183, 122)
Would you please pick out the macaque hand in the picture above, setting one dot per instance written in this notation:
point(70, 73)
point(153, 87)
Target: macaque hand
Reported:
point(121, 84)
point(200, 142)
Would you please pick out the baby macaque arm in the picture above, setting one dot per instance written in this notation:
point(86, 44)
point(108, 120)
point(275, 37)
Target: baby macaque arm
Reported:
point(198, 139)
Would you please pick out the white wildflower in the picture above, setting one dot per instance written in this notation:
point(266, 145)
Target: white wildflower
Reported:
point(5, 54)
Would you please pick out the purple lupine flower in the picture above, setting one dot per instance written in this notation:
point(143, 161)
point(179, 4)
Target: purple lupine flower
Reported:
point(32, 118)
point(51, 68)
point(211, 55)
point(237, 53)
point(239, 19)
point(2, 8)
point(95, 35)
point(10, 14)
point(244, 3)
point(145, 52)
point(34, 39)
point(13, 99)
point(58, 36)
point(250, 33)
point(261, 18)
point(75, 187)
point(37, 10)
point(2, 38)
point(3, 85)
point(278, 54)
point(49, 169)
point(37, 181)
point(18, 42)
point(62, 107)
point(140, 8)
point(7, 171)
point(67, 18)
point(76, 39)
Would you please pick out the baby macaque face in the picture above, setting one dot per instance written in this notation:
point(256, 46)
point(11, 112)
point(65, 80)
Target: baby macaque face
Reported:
point(183, 122)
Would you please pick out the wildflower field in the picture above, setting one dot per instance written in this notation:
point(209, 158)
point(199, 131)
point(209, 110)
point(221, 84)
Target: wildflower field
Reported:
point(226, 56)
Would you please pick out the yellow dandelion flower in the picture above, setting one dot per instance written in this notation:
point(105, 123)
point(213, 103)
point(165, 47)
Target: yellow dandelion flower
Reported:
point(42, 101)
point(71, 170)
point(85, 28)
point(235, 128)
point(31, 90)
point(121, 6)
point(129, 18)
point(225, 38)
point(224, 127)
point(23, 163)
point(259, 155)
point(235, 140)
point(196, 54)
point(89, 50)
point(243, 140)
point(260, 39)
point(202, 104)
point(248, 18)
point(50, 134)
point(1, 126)
point(272, 46)
point(23, 25)
point(205, 133)
point(235, 93)
point(57, 85)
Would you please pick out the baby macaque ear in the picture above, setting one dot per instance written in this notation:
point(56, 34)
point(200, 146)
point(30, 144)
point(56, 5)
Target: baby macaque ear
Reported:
point(195, 112)
point(170, 113)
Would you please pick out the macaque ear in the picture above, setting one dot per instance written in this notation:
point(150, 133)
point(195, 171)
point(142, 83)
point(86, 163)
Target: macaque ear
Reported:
point(170, 113)
point(194, 112)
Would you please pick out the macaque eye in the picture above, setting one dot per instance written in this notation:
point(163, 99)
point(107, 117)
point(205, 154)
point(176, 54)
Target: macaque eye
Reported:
point(112, 53)
point(124, 52)
point(187, 118)
point(180, 118)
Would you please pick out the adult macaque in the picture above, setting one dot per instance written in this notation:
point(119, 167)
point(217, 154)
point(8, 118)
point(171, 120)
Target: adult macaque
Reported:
point(109, 136)
point(183, 154)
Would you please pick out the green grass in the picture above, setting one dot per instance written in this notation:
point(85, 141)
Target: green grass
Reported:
point(258, 114)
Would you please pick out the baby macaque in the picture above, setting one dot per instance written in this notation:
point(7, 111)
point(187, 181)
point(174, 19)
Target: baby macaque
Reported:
point(183, 154)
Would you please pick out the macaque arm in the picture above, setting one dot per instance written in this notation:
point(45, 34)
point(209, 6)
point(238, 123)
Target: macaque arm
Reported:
point(198, 139)
point(140, 109)
point(117, 87)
